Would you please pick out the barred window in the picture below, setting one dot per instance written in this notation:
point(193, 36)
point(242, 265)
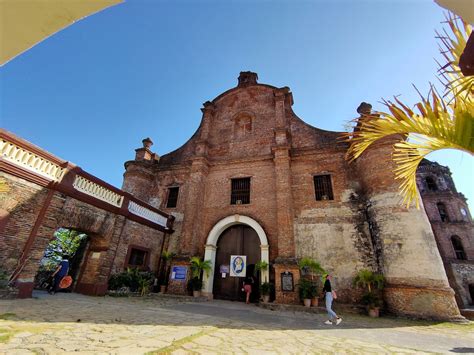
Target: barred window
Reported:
point(323, 187)
point(240, 194)
point(172, 197)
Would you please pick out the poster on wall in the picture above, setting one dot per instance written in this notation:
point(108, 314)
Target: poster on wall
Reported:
point(178, 273)
point(238, 265)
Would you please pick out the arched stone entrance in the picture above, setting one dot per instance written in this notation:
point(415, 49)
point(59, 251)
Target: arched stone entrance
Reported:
point(211, 246)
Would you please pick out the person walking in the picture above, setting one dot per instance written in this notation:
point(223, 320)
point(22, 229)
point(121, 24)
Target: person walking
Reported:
point(58, 274)
point(330, 295)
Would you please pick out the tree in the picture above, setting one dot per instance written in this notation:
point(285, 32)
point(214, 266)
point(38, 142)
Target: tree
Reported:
point(442, 121)
point(65, 243)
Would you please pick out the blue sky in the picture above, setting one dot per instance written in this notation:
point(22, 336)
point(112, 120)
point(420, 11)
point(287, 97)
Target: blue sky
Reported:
point(92, 92)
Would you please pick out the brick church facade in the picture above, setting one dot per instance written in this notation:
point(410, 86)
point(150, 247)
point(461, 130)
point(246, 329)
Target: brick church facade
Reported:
point(452, 226)
point(256, 180)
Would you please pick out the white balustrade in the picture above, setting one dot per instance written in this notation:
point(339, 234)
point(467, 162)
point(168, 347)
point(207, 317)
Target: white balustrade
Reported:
point(98, 191)
point(146, 213)
point(30, 161)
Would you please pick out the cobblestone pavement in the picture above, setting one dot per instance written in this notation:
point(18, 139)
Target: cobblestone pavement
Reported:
point(89, 325)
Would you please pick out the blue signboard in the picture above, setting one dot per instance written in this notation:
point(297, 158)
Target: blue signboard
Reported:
point(178, 273)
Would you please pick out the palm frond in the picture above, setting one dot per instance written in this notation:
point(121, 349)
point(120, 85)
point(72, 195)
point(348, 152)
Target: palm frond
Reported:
point(451, 47)
point(436, 126)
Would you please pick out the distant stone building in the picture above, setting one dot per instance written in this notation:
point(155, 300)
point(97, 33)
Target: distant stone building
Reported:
point(452, 225)
point(256, 181)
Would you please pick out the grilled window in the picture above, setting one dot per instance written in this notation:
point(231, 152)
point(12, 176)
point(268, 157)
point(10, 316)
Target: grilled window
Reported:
point(137, 257)
point(323, 188)
point(172, 197)
point(443, 214)
point(458, 248)
point(240, 194)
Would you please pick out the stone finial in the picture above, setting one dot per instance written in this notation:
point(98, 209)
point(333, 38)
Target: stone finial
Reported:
point(147, 143)
point(364, 109)
point(247, 78)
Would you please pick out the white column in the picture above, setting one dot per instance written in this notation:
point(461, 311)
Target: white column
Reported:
point(265, 257)
point(208, 281)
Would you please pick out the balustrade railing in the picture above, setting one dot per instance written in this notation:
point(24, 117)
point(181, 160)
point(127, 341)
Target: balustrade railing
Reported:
point(95, 190)
point(146, 213)
point(30, 161)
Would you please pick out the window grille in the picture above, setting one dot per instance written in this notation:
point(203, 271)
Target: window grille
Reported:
point(443, 214)
point(323, 187)
point(172, 197)
point(240, 194)
point(458, 248)
point(137, 257)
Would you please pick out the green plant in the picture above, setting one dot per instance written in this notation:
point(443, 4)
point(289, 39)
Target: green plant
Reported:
point(166, 256)
point(143, 285)
point(259, 267)
point(195, 284)
point(311, 266)
point(132, 278)
point(370, 280)
point(198, 266)
point(266, 288)
point(306, 289)
point(372, 299)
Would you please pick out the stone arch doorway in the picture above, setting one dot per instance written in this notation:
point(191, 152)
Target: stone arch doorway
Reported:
point(219, 230)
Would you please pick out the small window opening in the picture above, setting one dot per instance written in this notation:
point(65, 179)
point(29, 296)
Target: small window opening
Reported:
point(137, 257)
point(442, 212)
point(458, 248)
point(173, 193)
point(323, 187)
point(431, 184)
point(240, 194)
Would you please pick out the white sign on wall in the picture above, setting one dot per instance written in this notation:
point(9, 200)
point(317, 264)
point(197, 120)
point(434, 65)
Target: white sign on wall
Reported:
point(238, 265)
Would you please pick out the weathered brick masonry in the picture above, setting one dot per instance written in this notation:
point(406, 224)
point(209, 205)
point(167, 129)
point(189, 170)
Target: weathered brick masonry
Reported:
point(251, 131)
point(41, 193)
point(450, 219)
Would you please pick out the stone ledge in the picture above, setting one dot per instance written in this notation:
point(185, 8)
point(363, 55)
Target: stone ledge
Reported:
point(8, 293)
point(468, 313)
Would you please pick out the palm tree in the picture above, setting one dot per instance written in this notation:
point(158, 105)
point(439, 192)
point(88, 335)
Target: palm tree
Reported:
point(442, 121)
point(198, 266)
point(311, 266)
point(366, 278)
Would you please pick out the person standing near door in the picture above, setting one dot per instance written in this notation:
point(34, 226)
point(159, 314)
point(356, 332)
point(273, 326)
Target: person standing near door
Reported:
point(248, 284)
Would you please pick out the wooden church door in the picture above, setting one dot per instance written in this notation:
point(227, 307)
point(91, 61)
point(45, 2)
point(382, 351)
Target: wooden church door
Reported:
point(236, 240)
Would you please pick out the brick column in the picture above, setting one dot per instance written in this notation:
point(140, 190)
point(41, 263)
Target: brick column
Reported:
point(194, 205)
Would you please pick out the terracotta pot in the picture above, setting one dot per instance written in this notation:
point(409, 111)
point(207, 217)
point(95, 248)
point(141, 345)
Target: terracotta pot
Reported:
point(307, 302)
point(266, 298)
point(163, 288)
point(197, 293)
point(314, 302)
point(374, 312)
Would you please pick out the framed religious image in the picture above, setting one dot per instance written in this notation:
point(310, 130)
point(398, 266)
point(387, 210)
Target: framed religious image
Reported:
point(238, 265)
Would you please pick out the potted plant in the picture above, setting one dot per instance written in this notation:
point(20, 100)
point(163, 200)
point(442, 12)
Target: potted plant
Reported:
point(166, 256)
point(306, 291)
point(195, 285)
point(265, 290)
point(260, 267)
point(373, 284)
point(311, 267)
point(198, 266)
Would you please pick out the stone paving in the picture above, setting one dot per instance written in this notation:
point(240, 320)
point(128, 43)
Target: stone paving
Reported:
point(67, 323)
